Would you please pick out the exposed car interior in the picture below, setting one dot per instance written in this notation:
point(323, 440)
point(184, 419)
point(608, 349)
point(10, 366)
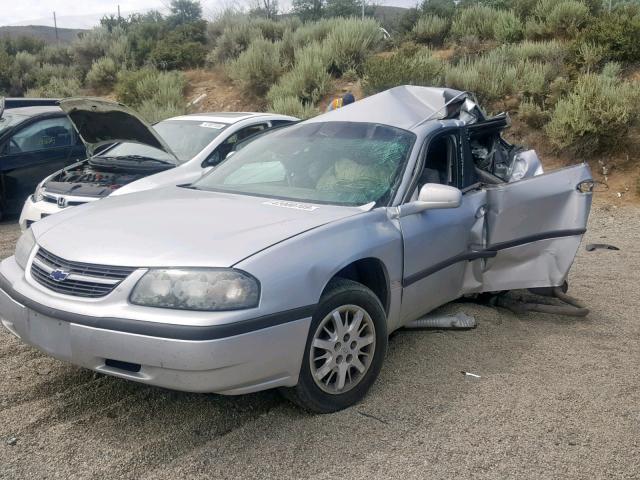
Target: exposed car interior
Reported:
point(339, 162)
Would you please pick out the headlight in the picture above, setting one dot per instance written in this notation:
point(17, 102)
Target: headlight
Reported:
point(208, 289)
point(38, 194)
point(23, 248)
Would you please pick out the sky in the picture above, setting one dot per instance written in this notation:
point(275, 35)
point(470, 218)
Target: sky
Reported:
point(86, 13)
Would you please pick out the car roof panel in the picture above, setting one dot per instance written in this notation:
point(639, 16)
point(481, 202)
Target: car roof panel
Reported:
point(404, 107)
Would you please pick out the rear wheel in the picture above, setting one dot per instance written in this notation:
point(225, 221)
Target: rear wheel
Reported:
point(345, 349)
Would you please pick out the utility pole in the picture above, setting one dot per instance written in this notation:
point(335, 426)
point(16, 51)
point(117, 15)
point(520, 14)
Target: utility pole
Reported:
point(118, 13)
point(362, 9)
point(55, 25)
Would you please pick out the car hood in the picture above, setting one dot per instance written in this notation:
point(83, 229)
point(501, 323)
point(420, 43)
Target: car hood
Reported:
point(178, 226)
point(100, 122)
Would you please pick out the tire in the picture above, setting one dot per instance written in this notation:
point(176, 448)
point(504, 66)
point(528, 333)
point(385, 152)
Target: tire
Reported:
point(341, 358)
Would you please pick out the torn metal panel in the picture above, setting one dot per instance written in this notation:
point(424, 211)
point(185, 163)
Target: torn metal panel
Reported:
point(535, 227)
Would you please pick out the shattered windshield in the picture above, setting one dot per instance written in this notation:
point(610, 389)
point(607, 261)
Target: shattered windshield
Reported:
point(341, 163)
point(185, 138)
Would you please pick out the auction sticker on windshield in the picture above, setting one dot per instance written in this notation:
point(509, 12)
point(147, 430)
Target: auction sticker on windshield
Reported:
point(217, 126)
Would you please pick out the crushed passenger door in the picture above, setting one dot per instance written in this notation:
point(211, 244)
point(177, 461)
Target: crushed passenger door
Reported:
point(535, 226)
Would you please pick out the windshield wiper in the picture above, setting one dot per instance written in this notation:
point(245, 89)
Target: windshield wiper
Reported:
point(132, 157)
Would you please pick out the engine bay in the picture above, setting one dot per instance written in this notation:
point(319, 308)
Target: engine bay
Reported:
point(87, 180)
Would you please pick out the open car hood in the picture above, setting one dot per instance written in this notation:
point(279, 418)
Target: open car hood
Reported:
point(100, 122)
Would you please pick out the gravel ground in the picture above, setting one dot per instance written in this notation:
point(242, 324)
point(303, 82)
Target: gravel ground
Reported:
point(558, 397)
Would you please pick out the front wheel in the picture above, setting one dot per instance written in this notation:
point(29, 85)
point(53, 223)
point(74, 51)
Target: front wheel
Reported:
point(345, 349)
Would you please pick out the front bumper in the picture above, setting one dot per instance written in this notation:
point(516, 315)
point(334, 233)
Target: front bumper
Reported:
point(257, 359)
point(33, 211)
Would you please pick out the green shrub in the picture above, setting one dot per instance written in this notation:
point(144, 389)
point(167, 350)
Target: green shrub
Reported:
point(612, 70)
point(589, 56)
point(90, 46)
point(154, 94)
point(507, 27)
point(226, 19)
point(153, 111)
point(233, 41)
point(553, 19)
point(558, 88)
point(23, 72)
point(103, 73)
point(532, 114)
point(545, 51)
point(177, 54)
point(56, 88)
point(617, 34)
point(535, 29)
point(293, 106)
point(47, 71)
point(258, 67)
point(595, 116)
point(421, 68)
point(567, 18)
point(431, 29)
point(308, 80)
point(477, 21)
point(351, 42)
point(120, 50)
point(6, 72)
point(490, 77)
point(56, 55)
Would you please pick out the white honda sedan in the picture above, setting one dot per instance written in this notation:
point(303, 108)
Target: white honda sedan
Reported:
point(172, 152)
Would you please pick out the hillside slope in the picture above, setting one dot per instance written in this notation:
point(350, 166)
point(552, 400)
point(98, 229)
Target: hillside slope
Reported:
point(48, 34)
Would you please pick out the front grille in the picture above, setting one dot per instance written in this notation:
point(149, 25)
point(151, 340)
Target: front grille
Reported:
point(82, 280)
point(70, 203)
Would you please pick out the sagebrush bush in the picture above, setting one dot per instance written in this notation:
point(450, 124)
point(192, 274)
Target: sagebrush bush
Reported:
point(153, 111)
point(507, 27)
point(258, 67)
point(419, 68)
point(308, 80)
point(617, 33)
point(120, 50)
point(156, 95)
point(490, 77)
point(90, 46)
point(350, 42)
point(567, 18)
point(293, 106)
point(477, 21)
point(595, 116)
point(233, 41)
point(589, 56)
point(612, 69)
point(23, 72)
point(431, 29)
point(56, 55)
point(103, 73)
point(47, 71)
point(532, 114)
point(544, 51)
point(498, 74)
point(56, 88)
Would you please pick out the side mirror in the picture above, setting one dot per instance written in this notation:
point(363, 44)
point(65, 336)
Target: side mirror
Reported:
point(433, 196)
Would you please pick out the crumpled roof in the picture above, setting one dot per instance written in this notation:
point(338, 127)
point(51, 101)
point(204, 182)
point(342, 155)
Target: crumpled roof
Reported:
point(403, 107)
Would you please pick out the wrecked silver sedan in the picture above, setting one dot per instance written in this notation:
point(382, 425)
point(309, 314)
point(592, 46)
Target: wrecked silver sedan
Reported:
point(289, 265)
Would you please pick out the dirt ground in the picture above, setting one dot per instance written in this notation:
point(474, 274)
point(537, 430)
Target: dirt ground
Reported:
point(558, 397)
